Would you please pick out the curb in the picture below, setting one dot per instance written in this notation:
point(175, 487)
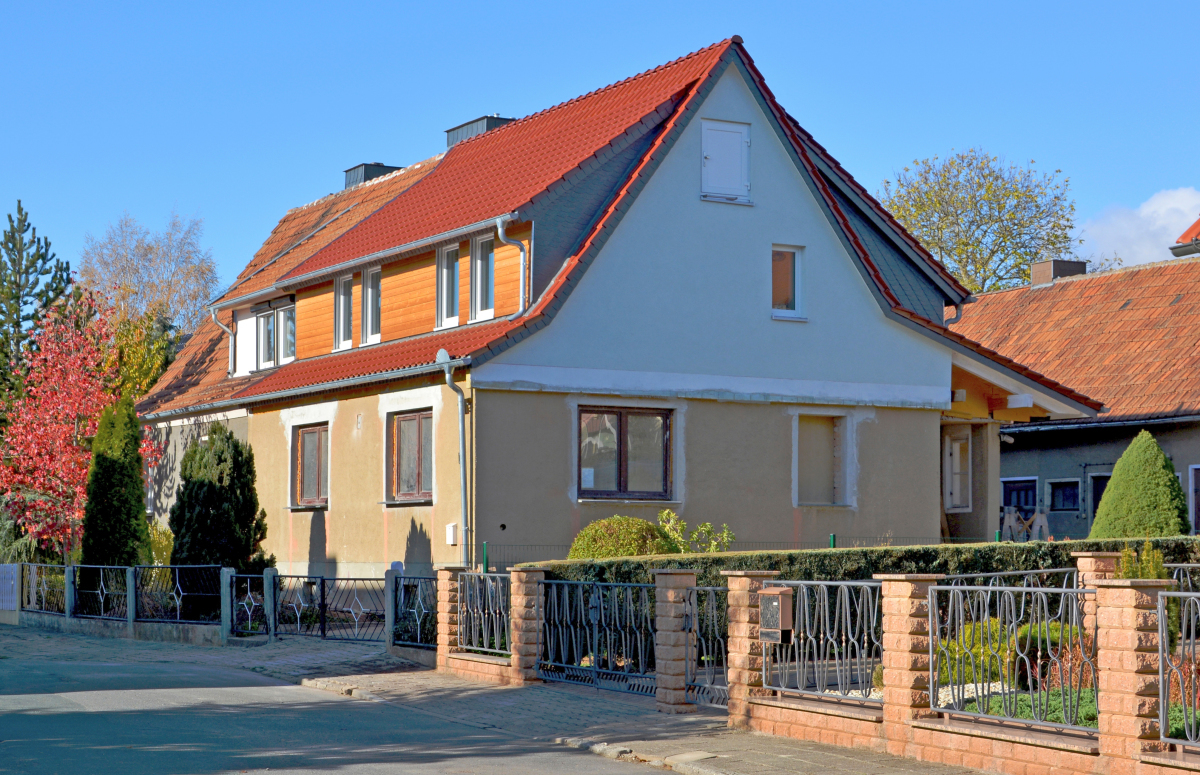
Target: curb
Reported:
point(624, 754)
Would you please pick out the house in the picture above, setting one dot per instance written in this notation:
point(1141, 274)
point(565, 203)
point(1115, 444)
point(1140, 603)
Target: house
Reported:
point(661, 294)
point(1126, 337)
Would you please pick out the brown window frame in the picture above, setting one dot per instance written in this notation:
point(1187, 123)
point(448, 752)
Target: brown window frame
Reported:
point(298, 464)
point(424, 491)
point(622, 492)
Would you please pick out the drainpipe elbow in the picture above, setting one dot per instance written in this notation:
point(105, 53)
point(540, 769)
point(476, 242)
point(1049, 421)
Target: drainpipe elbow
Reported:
point(958, 312)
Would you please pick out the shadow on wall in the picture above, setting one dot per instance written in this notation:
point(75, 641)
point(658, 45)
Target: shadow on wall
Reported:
point(164, 481)
point(418, 551)
point(320, 561)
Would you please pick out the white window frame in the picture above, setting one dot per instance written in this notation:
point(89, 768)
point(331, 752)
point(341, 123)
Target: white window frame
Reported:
point(280, 358)
point(369, 304)
point(259, 320)
point(714, 193)
point(343, 339)
point(477, 312)
point(444, 320)
point(1048, 500)
point(970, 484)
point(788, 314)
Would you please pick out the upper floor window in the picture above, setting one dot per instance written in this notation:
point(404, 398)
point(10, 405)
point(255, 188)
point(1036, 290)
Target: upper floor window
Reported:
point(726, 163)
point(447, 288)
point(266, 340)
point(372, 306)
point(343, 313)
point(287, 334)
point(483, 280)
point(310, 465)
point(624, 453)
point(276, 337)
point(785, 283)
point(410, 456)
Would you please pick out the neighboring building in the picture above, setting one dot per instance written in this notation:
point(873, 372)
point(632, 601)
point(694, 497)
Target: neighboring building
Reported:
point(664, 293)
point(1128, 337)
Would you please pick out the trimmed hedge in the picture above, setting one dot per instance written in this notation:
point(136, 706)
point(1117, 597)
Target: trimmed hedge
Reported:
point(849, 564)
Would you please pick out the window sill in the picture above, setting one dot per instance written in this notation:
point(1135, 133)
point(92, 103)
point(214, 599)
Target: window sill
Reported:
point(726, 200)
point(960, 510)
point(409, 502)
point(487, 314)
point(447, 325)
point(633, 501)
point(309, 506)
point(793, 317)
point(825, 505)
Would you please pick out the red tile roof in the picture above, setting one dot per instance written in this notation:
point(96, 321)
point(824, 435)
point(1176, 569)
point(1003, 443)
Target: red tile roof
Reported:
point(1193, 232)
point(1128, 337)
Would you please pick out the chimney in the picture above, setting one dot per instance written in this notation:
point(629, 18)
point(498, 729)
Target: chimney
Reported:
point(1046, 272)
point(477, 127)
point(361, 173)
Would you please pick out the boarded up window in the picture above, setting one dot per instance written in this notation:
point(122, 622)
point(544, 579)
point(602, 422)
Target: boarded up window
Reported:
point(820, 460)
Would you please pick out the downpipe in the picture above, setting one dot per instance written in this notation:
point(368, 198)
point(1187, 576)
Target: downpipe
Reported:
point(229, 331)
point(501, 224)
point(443, 358)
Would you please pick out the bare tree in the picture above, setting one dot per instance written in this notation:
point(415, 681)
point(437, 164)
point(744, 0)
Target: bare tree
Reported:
point(158, 273)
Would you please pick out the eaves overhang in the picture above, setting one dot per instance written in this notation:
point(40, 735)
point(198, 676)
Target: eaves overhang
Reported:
point(1097, 424)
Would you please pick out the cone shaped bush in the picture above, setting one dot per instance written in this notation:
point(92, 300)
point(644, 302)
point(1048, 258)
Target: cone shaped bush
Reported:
point(1144, 498)
point(114, 519)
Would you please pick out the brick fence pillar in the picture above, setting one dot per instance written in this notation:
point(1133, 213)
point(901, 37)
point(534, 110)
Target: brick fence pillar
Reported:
point(523, 622)
point(447, 613)
point(1127, 663)
point(905, 655)
point(1093, 567)
point(743, 648)
point(671, 639)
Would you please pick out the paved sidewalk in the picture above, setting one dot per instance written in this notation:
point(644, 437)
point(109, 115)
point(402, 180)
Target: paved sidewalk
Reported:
point(576, 716)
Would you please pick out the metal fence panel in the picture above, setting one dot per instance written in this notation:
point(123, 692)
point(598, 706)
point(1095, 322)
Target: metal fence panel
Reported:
point(416, 612)
point(1064, 578)
point(101, 592)
point(601, 635)
point(483, 602)
point(1023, 654)
point(249, 605)
point(706, 624)
point(331, 608)
point(300, 605)
point(1178, 675)
point(9, 576)
point(1186, 576)
point(44, 588)
point(185, 594)
point(837, 642)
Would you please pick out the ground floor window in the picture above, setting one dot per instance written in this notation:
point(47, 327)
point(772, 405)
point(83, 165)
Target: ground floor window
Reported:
point(410, 456)
point(1064, 495)
point(624, 453)
point(311, 465)
point(1021, 494)
point(956, 468)
point(1099, 485)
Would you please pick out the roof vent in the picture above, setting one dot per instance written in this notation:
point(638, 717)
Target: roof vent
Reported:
point(477, 127)
point(361, 173)
point(1045, 272)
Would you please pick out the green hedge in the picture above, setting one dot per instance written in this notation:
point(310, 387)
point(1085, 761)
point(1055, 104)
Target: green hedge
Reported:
point(844, 564)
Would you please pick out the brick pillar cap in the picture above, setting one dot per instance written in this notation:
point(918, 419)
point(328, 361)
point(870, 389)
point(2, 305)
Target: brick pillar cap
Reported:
point(677, 570)
point(1134, 583)
point(761, 573)
point(1095, 554)
point(909, 576)
point(527, 569)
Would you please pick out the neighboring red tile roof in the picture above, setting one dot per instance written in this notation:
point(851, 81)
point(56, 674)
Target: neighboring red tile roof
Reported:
point(1193, 232)
point(1129, 337)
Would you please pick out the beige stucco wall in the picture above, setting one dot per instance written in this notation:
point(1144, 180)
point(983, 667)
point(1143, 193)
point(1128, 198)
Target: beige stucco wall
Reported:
point(983, 519)
point(175, 436)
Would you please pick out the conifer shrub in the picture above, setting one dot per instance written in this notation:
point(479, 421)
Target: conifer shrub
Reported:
point(1144, 498)
point(621, 537)
point(114, 519)
point(216, 519)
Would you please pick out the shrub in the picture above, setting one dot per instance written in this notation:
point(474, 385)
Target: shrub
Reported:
point(1144, 498)
point(216, 519)
point(621, 537)
point(982, 652)
point(162, 541)
point(114, 519)
point(704, 538)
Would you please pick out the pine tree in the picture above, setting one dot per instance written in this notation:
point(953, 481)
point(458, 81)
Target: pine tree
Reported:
point(216, 519)
point(1144, 498)
point(32, 279)
point(114, 521)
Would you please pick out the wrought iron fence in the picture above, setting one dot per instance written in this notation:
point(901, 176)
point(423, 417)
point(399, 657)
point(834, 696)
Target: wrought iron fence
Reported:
point(44, 588)
point(837, 642)
point(101, 592)
point(1186, 576)
point(1179, 667)
point(483, 600)
point(336, 609)
point(601, 635)
point(1024, 654)
point(1065, 578)
point(416, 612)
point(188, 594)
point(249, 605)
point(706, 623)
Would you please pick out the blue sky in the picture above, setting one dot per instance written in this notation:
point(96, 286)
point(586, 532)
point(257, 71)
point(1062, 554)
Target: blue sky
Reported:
point(235, 113)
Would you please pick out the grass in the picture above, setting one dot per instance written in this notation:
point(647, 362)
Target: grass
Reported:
point(1084, 717)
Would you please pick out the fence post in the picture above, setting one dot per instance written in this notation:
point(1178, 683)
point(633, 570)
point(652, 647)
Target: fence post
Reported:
point(523, 622)
point(131, 598)
point(226, 604)
point(447, 615)
point(1127, 663)
point(389, 607)
point(1092, 567)
point(69, 591)
point(905, 655)
point(742, 645)
point(671, 639)
point(270, 582)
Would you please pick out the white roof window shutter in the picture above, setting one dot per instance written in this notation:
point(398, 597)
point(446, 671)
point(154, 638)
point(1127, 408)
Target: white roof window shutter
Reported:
point(726, 162)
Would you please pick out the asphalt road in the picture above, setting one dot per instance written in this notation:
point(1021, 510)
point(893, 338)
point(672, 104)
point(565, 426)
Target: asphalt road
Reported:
point(82, 718)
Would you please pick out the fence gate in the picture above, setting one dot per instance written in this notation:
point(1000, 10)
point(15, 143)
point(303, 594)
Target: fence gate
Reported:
point(335, 609)
point(599, 635)
point(706, 624)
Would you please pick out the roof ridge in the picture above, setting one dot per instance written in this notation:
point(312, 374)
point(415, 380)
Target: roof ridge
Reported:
point(371, 182)
point(1089, 275)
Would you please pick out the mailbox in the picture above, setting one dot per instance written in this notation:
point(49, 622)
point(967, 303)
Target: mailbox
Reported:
point(775, 615)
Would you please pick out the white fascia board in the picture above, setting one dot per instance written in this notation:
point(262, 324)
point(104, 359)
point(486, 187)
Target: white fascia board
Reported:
point(554, 379)
point(1044, 397)
point(211, 417)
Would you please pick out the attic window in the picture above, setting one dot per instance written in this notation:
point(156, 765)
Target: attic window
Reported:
point(1125, 305)
point(725, 166)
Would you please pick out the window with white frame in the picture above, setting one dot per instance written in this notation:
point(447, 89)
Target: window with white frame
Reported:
point(266, 339)
point(372, 306)
point(725, 173)
point(276, 337)
point(447, 288)
point(786, 300)
point(287, 334)
point(483, 279)
point(343, 313)
point(956, 468)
